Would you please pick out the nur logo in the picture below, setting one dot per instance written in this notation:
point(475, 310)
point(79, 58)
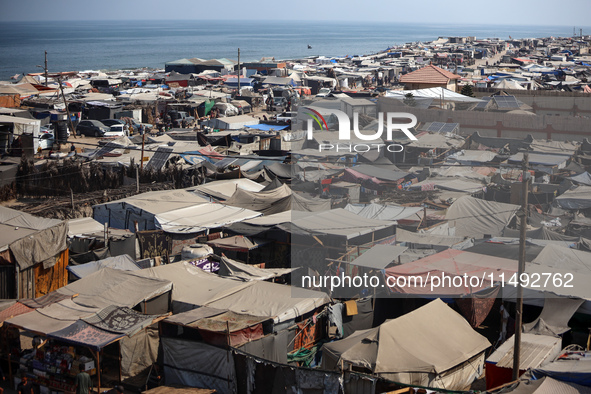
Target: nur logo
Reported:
point(345, 124)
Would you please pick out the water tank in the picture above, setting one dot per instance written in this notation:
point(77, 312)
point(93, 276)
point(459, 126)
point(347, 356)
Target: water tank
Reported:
point(61, 134)
point(196, 251)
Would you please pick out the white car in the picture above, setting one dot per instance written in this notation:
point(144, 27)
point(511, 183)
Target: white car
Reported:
point(287, 117)
point(324, 92)
point(46, 141)
point(116, 131)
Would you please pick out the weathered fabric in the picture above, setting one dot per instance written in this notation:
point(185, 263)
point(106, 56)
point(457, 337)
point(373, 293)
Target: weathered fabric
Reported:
point(45, 300)
point(81, 333)
point(42, 247)
point(120, 320)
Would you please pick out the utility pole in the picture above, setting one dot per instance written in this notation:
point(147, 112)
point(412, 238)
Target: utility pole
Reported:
point(521, 268)
point(143, 144)
point(238, 71)
point(59, 81)
point(46, 68)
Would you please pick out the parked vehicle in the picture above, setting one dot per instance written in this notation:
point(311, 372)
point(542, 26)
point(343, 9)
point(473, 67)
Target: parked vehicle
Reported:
point(116, 131)
point(324, 92)
point(177, 118)
point(287, 117)
point(279, 103)
point(46, 141)
point(111, 122)
point(242, 105)
point(92, 128)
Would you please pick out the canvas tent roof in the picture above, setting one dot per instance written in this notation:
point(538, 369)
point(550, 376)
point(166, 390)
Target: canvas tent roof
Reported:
point(201, 217)
point(123, 262)
point(276, 200)
point(336, 222)
point(194, 287)
point(453, 263)
point(383, 211)
point(438, 93)
point(229, 267)
point(83, 226)
point(472, 217)
point(379, 256)
point(115, 287)
point(429, 340)
point(224, 189)
point(31, 239)
point(577, 198)
point(426, 239)
point(238, 243)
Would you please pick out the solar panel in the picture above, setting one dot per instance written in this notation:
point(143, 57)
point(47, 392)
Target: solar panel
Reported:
point(159, 159)
point(106, 149)
point(435, 126)
point(506, 102)
point(449, 127)
point(484, 103)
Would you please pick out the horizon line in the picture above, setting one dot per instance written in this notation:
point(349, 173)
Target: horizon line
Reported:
point(299, 21)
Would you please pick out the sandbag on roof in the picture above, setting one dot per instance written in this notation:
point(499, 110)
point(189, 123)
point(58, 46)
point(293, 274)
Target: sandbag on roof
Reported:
point(472, 217)
point(417, 348)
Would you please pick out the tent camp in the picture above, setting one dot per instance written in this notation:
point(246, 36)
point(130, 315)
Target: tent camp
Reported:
point(384, 212)
point(33, 254)
point(432, 346)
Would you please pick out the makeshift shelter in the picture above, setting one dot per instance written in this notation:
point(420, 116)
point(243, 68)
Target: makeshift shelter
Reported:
point(236, 269)
point(570, 366)
point(536, 351)
point(33, 254)
point(194, 287)
point(224, 189)
point(423, 276)
point(379, 257)
point(199, 218)
point(383, 212)
point(143, 208)
point(123, 262)
point(432, 346)
point(472, 217)
point(577, 198)
point(277, 200)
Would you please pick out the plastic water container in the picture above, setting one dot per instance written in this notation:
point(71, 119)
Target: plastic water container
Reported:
point(196, 251)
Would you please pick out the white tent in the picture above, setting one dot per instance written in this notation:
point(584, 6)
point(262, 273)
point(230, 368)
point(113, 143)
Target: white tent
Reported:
point(438, 93)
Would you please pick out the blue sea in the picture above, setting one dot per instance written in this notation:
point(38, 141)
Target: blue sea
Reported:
point(109, 45)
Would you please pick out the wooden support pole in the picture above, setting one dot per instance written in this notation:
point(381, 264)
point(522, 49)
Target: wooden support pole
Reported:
point(521, 267)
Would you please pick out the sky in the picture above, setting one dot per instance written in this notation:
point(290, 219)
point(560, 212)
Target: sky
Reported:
point(498, 12)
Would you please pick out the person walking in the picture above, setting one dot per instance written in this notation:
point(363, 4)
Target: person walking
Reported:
point(83, 383)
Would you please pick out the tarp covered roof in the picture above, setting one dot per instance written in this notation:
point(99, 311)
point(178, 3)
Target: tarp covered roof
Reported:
point(115, 287)
point(438, 93)
point(122, 262)
point(31, 239)
point(472, 217)
point(229, 267)
point(379, 256)
point(336, 222)
point(194, 287)
point(276, 200)
point(383, 211)
point(431, 339)
point(201, 217)
point(577, 198)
